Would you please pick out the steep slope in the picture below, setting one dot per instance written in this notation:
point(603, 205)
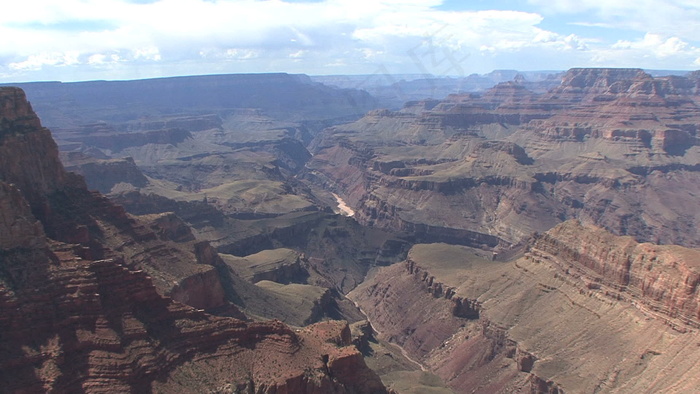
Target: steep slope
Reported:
point(80, 311)
point(582, 311)
point(613, 146)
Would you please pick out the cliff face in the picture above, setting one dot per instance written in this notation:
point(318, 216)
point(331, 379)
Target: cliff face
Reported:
point(624, 105)
point(661, 278)
point(447, 332)
point(582, 310)
point(99, 326)
point(104, 175)
point(79, 310)
point(21, 136)
point(20, 229)
point(605, 146)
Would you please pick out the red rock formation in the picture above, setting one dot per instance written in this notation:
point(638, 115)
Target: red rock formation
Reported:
point(20, 228)
point(80, 313)
point(582, 310)
point(662, 278)
point(21, 135)
point(511, 162)
point(444, 332)
point(99, 326)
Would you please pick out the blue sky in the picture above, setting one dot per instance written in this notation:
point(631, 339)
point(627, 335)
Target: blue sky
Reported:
point(72, 40)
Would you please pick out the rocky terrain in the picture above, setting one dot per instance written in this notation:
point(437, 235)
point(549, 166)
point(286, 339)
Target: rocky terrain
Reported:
point(83, 300)
point(581, 311)
point(536, 236)
point(234, 140)
point(616, 147)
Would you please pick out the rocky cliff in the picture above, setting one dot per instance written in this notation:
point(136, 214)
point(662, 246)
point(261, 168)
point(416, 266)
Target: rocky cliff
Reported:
point(23, 136)
point(662, 279)
point(104, 175)
point(81, 302)
point(98, 326)
point(581, 311)
point(606, 145)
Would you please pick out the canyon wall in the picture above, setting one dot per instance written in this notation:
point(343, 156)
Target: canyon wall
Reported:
point(581, 311)
point(82, 305)
point(615, 147)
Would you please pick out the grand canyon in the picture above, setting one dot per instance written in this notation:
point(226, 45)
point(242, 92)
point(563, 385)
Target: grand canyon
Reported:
point(280, 233)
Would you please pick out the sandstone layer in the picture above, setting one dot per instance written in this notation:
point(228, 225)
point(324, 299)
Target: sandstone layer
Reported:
point(581, 311)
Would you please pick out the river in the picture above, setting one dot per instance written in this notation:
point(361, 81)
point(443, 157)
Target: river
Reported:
point(343, 207)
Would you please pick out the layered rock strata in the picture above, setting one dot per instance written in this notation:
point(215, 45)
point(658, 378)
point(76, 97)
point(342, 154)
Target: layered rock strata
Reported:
point(661, 279)
point(79, 311)
point(581, 311)
point(616, 147)
point(104, 175)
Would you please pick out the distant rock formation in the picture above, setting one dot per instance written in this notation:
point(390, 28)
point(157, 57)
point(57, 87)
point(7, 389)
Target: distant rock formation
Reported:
point(80, 296)
point(143, 103)
point(616, 147)
point(104, 175)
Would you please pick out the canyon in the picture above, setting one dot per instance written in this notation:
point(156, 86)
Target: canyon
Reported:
point(610, 146)
point(581, 310)
point(83, 304)
point(269, 233)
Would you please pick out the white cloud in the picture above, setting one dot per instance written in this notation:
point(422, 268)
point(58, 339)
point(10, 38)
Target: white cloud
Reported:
point(182, 30)
point(202, 36)
point(655, 44)
point(653, 50)
point(36, 62)
point(607, 7)
point(147, 53)
point(241, 54)
point(97, 59)
point(666, 17)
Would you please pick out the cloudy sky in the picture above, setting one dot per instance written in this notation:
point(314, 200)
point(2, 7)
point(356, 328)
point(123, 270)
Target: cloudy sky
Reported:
point(71, 40)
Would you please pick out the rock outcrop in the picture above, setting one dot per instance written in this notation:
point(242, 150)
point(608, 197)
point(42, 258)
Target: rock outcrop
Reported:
point(23, 136)
point(277, 265)
point(104, 175)
point(663, 279)
point(79, 311)
point(581, 311)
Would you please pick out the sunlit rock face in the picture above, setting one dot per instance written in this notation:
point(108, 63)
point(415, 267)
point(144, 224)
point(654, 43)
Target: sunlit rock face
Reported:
point(579, 310)
point(615, 147)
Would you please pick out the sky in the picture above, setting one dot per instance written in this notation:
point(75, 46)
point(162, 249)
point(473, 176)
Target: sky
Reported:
point(77, 40)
